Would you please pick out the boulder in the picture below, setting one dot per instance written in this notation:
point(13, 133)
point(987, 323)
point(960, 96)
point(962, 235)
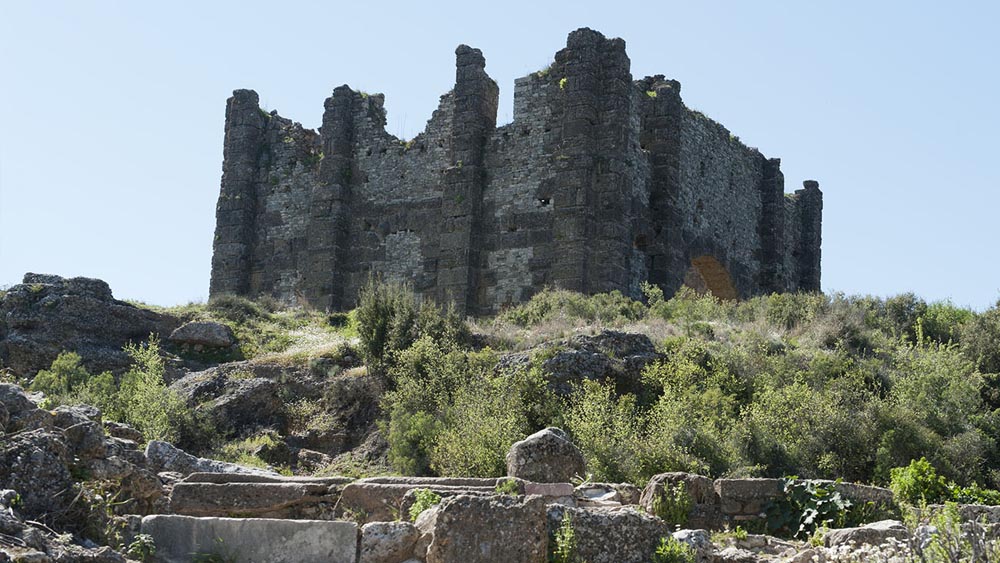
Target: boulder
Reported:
point(547, 456)
point(698, 540)
point(46, 315)
point(34, 463)
point(387, 542)
point(66, 416)
point(162, 457)
point(875, 533)
point(611, 535)
point(204, 333)
point(610, 355)
point(475, 529)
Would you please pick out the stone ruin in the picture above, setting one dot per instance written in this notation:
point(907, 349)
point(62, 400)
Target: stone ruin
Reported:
point(600, 182)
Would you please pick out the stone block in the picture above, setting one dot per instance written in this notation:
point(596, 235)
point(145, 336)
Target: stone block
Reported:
point(182, 538)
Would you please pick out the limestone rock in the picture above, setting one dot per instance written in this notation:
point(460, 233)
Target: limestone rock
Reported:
point(698, 540)
point(204, 333)
point(611, 535)
point(476, 529)
point(547, 456)
point(251, 539)
point(875, 533)
point(162, 456)
point(736, 555)
point(34, 463)
point(610, 355)
point(387, 542)
point(46, 315)
point(268, 500)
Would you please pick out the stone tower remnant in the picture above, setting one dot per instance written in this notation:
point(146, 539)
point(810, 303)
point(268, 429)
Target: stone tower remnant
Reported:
point(600, 182)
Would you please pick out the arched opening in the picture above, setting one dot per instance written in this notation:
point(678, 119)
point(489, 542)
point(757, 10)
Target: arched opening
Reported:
point(708, 275)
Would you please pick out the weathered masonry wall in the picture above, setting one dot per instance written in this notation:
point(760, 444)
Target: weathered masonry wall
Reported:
point(598, 184)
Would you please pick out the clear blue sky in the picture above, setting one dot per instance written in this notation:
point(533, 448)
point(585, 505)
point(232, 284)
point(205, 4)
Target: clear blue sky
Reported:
point(111, 116)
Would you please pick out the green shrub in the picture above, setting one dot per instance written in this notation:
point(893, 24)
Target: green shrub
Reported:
point(507, 487)
point(564, 541)
point(806, 506)
point(423, 499)
point(390, 318)
point(144, 401)
point(549, 304)
point(411, 438)
point(918, 483)
point(980, 338)
point(672, 550)
point(485, 419)
point(673, 505)
point(67, 382)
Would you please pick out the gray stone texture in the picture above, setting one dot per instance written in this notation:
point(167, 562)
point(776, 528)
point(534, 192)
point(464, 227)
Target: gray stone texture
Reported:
point(46, 315)
point(241, 540)
point(474, 529)
point(547, 456)
point(600, 182)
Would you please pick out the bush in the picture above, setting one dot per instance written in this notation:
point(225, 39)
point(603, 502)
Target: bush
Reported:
point(390, 318)
point(564, 541)
point(549, 304)
point(672, 550)
point(67, 382)
point(805, 507)
point(918, 483)
point(424, 499)
point(144, 401)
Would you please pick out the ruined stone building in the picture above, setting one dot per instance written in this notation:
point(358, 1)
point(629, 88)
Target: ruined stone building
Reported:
point(600, 182)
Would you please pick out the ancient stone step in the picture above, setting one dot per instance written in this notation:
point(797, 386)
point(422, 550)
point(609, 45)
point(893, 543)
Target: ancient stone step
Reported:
point(222, 478)
point(242, 540)
point(298, 500)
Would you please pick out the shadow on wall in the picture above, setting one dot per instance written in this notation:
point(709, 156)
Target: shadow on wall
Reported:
point(708, 275)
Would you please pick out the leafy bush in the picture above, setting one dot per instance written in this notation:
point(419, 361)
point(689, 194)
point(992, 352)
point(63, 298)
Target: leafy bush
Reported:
point(507, 487)
point(144, 401)
point(806, 506)
point(423, 499)
point(548, 304)
point(390, 318)
point(672, 550)
point(67, 382)
point(917, 483)
point(673, 505)
point(564, 541)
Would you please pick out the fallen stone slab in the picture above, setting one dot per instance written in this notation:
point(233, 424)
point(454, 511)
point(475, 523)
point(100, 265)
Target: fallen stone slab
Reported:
point(223, 478)
point(436, 481)
point(255, 500)
point(366, 501)
point(180, 539)
point(875, 533)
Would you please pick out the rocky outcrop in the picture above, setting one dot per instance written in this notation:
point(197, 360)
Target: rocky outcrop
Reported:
point(611, 356)
point(46, 315)
point(547, 456)
point(162, 456)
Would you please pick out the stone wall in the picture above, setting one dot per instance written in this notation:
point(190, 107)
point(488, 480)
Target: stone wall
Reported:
point(598, 184)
